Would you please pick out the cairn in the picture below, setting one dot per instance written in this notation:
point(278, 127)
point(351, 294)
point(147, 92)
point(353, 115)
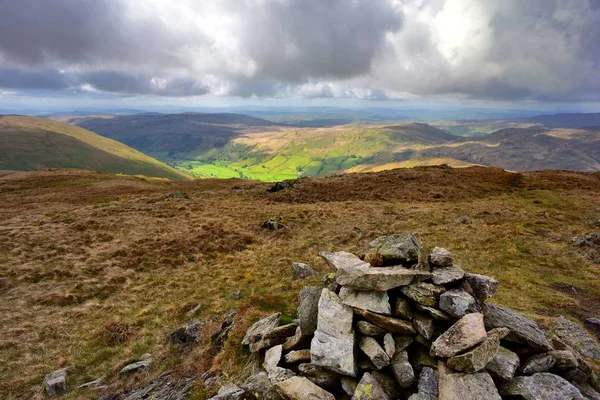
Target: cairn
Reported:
point(398, 323)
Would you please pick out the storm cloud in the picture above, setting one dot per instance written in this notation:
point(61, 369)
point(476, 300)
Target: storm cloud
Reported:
point(544, 50)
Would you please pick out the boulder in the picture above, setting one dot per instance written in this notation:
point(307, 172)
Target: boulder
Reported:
point(477, 358)
point(565, 359)
point(460, 386)
point(424, 325)
point(402, 342)
point(144, 362)
point(457, 303)
point(369, 388)
point(185, 334)
point(368, 329)
point(541, 386)
point(389, 346)
point(428, 382)
point(423, 293)
point(378, 279)
point(261, 387)
point(297, 356)
point(55, 383)
point(272, 358)
point(320, 376)
point(504, 365)
point(392, 325)
point(401, 309)
point(342, 260)
point(403, 370)
point(440, 257)
point(373, 350)
point(522, 329)
point(576, 337)
point(378, 302)
point(300, 388)
point(398, 249)
point(483, 286)
point(464, 334)
point(308, 306)
point(255, 336)
point(301, 271)
point(538, 363)
point(445, 275)
point(333, 344)
point(433, 313)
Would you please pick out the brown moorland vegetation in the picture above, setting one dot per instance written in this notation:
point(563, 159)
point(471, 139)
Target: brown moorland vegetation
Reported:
point(96, 269)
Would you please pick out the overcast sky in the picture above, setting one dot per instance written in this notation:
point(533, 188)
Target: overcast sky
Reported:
point(164, 51)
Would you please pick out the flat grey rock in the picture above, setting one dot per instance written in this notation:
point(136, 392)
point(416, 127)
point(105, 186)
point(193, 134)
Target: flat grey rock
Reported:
point(369, 388)
point(300, 388)
point(460, 386)
point(378, 302)
point(522, 329)
point(576, 337)
point(374, 352)
point(403, 370)
point(457, 303)
point(445, 275)
point(542, 386)
point(504, 365)
point(302, 271)
point(464, 334)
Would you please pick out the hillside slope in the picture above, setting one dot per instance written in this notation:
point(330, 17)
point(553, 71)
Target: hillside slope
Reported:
point(28, 143)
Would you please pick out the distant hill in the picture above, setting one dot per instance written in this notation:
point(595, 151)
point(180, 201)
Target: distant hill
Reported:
point(579, 120)
point(31, 143)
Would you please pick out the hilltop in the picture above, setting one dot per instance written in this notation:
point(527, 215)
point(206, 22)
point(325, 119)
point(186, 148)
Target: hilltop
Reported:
point(83, 286)
point(29, 143)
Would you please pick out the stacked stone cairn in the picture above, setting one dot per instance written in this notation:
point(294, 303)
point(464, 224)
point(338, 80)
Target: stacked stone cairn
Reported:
point(398, 323)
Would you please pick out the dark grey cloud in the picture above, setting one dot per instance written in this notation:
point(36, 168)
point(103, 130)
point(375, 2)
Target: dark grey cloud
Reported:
point(545, 50)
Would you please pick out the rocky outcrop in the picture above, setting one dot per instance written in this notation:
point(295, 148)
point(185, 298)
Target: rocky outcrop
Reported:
point(415, 326)
point(55, 382)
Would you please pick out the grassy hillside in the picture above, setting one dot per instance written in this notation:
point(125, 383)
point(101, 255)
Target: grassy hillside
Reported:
point(82, 286)
point(28, 143)
point(237, 146)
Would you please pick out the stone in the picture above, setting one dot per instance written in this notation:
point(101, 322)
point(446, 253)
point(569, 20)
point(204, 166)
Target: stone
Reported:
point(398, 249)
point(260, 387)
point(320, 376)
point(373, 350)
point(341, 260)
point(349, 385)
point(369, 388)
point(96, 383)
point(401, 309)
point(333, 344)
point(504, 365)
point(403, 370)
point(55, 383)
point(368, 329)
point(302, 271)
point(230, 392)
point(186, 334)
point(576, 337)
point(402, 342)
point(389, 345)
point(300, 388)
point(594, 323)
point(255, 334)
point(541, 386)
point(423, 293)
point(283, 331)
point(220, 336)
point(477, 358)
point(272, 358)
point(390, 324)
point(428, 382)
point(424, 325)
point(297, 356)
point(279, 374)
point(460, 386)
point(272, 225)
point(378, 279)
point(464, 334)
point(538, 363)
point(440, 257)
point(587, 391)
point(433, 313)
point(565, 359)
point(308, 306)
point(445, 275)
point(457, 303)
point(136, 366)
point(377, 302)
point(298, 341)
point(388, 384)
point(522, 329)
point(483, 286)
